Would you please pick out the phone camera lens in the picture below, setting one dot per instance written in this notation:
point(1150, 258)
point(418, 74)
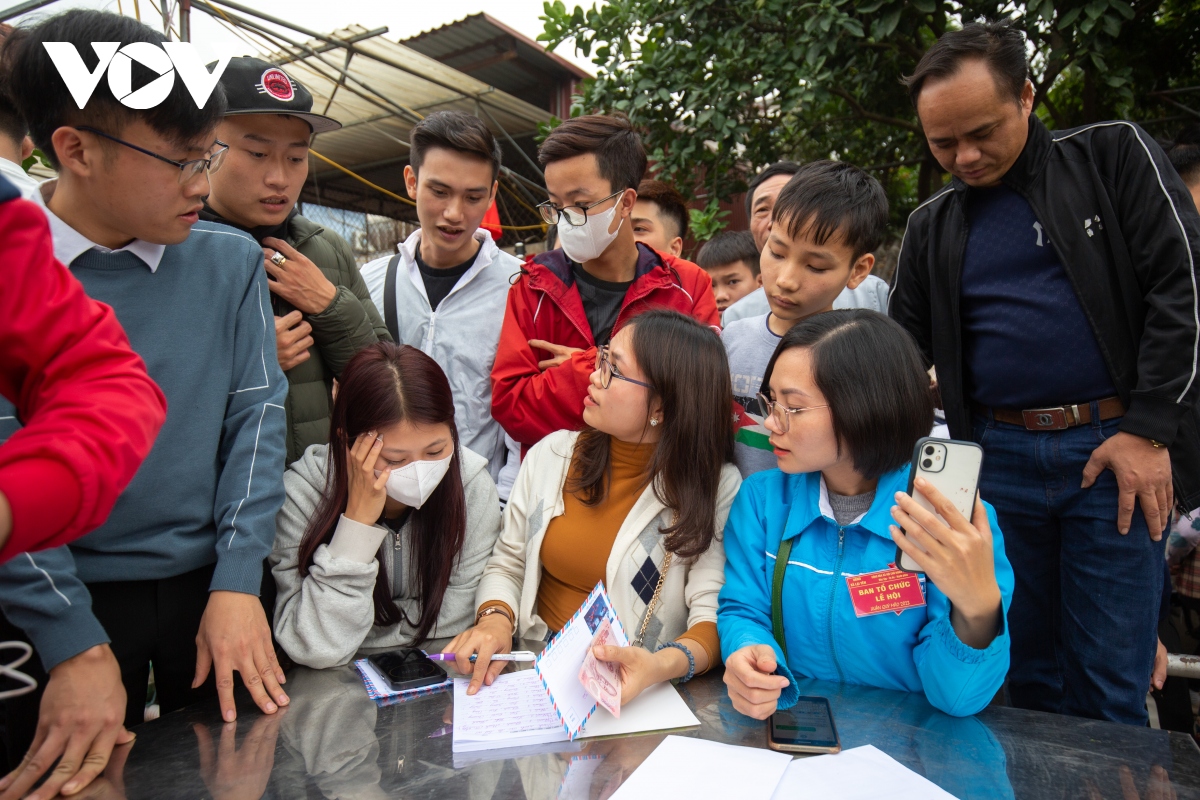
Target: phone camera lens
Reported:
point(927, 463)
point(929, 450)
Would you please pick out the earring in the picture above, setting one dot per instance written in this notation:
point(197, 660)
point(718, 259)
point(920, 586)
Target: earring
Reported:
point(653, 421)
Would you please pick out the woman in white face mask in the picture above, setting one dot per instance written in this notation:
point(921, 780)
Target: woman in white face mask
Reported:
point(386, 530)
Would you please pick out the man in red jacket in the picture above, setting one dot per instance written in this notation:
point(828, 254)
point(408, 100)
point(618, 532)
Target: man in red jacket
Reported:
point(570, 301)
point(89, 409)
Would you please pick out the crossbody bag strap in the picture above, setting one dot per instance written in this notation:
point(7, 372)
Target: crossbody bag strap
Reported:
point(781, 560)
point(389, 299)
point(653, 604)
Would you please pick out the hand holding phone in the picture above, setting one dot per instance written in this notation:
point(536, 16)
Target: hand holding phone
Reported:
point(952, 468)
point(955, 554)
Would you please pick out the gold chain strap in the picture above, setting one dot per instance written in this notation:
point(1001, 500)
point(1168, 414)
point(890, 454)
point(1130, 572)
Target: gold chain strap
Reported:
point(662, 576)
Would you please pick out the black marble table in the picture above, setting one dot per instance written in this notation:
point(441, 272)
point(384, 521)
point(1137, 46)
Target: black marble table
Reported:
point(334, 742)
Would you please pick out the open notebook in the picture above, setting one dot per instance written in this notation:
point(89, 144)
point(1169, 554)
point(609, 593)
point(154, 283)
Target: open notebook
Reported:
point(516, 711)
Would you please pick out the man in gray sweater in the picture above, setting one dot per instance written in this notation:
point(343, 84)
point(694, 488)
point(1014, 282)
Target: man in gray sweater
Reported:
point(173, 576)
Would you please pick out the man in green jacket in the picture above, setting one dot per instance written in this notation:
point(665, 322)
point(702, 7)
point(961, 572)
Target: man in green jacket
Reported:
point(323, 312)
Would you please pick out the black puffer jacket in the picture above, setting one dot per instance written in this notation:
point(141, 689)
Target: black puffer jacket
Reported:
point(1128, 235)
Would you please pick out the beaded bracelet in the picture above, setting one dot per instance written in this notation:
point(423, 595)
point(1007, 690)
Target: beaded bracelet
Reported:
point(691, 673)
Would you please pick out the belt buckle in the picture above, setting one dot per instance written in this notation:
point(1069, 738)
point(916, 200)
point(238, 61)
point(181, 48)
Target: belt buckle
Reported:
point(1045, 419)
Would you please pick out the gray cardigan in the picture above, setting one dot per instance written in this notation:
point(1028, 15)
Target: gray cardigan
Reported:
point(321, 620)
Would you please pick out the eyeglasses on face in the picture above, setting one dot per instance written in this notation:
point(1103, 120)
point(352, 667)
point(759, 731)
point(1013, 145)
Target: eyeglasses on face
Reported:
point(574, 215)
point(187, 169)
point(608, 370)
point(782, 413)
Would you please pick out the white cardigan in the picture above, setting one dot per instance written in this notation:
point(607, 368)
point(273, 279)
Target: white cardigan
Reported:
point(689, 594)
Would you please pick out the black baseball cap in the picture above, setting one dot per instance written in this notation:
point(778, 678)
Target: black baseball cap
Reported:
point(254, 86)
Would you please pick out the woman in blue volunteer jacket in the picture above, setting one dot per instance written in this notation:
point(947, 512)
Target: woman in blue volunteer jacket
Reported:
point(848, 401)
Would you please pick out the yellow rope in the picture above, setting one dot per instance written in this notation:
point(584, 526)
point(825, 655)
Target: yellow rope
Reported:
point(405, 200)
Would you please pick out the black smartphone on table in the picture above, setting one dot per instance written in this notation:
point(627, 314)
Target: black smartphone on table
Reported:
point(407, 669)
point(806, 727)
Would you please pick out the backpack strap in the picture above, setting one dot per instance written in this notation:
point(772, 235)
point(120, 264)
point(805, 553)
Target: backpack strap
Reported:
point(389, 299)
point(781, 560)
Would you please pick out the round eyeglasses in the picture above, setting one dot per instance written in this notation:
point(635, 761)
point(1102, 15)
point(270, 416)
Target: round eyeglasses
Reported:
point(781, 413)
point(187, 169)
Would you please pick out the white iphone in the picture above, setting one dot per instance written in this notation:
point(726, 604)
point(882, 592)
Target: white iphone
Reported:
point(952, 467)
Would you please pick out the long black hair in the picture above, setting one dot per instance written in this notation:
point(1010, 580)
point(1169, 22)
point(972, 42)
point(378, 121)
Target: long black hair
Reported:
point(684, 363)
point(382, 385)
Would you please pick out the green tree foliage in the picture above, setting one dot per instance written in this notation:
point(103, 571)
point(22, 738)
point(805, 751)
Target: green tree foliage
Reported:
point(720, 88)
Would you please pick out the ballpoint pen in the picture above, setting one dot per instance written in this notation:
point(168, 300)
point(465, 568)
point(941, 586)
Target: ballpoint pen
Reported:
point(516, 655)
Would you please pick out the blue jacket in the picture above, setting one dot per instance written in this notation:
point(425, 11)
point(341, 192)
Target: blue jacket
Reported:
point(915, 650)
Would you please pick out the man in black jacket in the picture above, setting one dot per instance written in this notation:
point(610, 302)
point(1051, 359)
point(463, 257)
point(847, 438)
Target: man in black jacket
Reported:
point(1052, 283)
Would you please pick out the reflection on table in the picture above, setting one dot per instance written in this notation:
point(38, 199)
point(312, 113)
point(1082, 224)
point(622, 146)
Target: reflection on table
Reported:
point(334, 742)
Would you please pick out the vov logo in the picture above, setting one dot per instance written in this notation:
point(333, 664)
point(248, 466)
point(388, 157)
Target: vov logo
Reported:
point(165, 61)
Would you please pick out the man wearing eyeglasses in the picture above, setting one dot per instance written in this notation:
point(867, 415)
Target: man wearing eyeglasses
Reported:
point(570, 301)
point(323, 312)
point(172, 578)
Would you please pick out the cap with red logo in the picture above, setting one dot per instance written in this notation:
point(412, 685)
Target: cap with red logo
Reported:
point(253, 86)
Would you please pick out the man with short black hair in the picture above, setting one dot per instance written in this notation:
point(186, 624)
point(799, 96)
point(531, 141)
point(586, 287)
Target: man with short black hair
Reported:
point(569, 302)
point(172, 578)
point(1052, 283)
point(445, 289)
point(323, 312)
point(660, 217)
point(760, 203)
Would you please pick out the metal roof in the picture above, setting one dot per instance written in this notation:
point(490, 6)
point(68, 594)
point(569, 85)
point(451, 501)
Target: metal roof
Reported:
point(378, 89)
point(485, 48)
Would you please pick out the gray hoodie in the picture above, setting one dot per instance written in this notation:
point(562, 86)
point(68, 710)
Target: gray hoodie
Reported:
point(323, 619)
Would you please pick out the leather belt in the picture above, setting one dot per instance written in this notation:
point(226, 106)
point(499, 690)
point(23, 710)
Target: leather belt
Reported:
point(1055, 418)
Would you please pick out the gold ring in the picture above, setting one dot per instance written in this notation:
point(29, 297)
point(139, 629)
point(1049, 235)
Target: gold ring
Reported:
point(278, 259)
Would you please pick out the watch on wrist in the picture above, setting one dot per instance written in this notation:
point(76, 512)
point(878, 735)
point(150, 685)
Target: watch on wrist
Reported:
point(1156, 444)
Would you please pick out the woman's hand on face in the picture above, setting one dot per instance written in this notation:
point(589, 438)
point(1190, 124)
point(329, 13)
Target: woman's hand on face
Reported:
point(753, 685)
point(956, 555)
point(492, 635)
point(366, 493)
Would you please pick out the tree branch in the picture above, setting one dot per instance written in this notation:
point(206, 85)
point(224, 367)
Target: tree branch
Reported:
point(873, 117)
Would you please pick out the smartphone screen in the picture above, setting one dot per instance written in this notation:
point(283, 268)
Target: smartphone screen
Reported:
point(809, 723)
point(407, 669)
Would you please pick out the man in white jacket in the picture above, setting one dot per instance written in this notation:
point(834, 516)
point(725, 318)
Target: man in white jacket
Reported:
point(444, 292)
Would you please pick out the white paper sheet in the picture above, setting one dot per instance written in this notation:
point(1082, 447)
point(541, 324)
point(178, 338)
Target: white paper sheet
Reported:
point(516, 712)
point(686, 767)
point(862, 773)
point(559, 664)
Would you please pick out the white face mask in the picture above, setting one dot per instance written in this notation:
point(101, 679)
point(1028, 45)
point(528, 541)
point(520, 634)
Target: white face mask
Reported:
point(415, 481)
point(589, 240)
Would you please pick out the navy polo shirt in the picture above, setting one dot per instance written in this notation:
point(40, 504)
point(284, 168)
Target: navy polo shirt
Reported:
point(1026, 341)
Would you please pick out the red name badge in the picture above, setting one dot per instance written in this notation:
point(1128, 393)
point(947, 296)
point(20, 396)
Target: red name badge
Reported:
point(887, 590)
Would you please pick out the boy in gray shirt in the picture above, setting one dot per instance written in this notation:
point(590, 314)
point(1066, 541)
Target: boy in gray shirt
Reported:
point(824, 225)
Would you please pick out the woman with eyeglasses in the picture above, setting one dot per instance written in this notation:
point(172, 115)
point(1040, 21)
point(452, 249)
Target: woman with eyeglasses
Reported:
point(386, 530)
point(848, 400)
point(637, 500)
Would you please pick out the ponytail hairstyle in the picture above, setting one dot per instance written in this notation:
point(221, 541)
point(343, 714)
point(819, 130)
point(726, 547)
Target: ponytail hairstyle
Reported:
point(382, 385)
point(684, 362)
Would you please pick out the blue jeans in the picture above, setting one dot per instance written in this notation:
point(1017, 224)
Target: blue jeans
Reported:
point(1084, 613)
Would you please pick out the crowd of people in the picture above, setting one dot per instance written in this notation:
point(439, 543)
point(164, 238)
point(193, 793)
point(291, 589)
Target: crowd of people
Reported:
point(452, 444)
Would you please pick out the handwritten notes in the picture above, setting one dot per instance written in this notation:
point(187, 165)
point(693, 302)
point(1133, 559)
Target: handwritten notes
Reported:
point(514, 711)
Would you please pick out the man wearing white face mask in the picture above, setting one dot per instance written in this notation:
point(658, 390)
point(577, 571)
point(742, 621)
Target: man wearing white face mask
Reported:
point(572, 300)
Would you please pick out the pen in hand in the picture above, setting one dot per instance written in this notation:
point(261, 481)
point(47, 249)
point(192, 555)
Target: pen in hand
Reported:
point(516, 655)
